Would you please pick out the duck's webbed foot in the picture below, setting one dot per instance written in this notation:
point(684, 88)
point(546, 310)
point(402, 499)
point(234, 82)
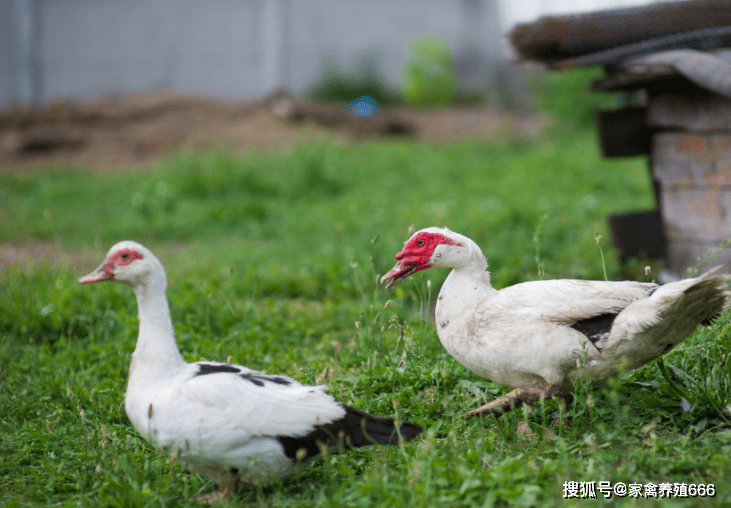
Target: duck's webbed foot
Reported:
point(516, 398)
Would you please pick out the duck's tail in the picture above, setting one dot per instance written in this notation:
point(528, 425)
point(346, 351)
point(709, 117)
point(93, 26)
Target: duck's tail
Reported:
point(651, 327)
point(364, 429)
point(355, 429)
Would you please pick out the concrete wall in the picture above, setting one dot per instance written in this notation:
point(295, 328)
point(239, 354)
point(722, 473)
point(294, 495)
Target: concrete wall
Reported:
point(7, 52)
point(74, 48)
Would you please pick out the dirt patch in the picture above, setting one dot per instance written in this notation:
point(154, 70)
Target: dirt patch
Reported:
point(48, 252)
point(137, 130)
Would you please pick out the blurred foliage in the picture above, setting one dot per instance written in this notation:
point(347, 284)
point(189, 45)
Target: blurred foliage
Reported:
point(340, 86)
point(429, 75)
point(430, 79)
point(566, 97)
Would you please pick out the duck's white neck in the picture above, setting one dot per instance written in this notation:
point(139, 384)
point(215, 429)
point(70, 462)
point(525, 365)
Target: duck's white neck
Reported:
point(471, 276)
point(475, 264)
point(468, 280)
point(156, 350)
point(466, 257)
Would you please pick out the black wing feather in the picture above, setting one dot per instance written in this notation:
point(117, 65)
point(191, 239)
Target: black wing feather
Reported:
point(256, 378)
point(355, 429)
point(215, 368)
point(595, 328)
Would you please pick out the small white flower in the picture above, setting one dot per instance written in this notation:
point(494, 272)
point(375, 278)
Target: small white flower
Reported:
point(684, 405)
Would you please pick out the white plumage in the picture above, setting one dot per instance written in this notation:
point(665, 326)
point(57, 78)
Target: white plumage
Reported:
point(227, 422)
point(539, 336)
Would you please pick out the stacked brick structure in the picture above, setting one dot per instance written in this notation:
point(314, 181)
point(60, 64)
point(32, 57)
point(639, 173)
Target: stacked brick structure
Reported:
point(691, 164)
point(673, 62)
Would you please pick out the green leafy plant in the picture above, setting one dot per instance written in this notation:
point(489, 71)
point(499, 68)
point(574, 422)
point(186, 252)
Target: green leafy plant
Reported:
point(429, 76)
point(338, 85)
point(566, 96)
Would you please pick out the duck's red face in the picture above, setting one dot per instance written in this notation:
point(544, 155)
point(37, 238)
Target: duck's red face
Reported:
point(416, 255)
point(106, 270)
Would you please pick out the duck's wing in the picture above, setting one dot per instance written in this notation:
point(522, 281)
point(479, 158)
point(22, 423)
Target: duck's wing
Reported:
point(570, 301)
point(236, 399)
point(222, 407)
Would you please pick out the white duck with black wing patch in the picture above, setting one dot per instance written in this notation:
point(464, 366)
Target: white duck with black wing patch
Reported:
point(227, 422)
point(539, 336)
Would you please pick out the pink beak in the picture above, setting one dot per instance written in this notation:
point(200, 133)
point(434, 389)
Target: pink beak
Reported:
point(98, 275)
point(398, 272)
point(405, 267)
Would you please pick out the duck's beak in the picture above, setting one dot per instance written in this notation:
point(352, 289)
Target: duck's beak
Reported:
point(98, 275)
point(397, 273)
point(405, 267)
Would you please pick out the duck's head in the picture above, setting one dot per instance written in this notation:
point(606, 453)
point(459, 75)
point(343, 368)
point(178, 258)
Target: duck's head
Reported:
point(127, 262)
point(432, 247)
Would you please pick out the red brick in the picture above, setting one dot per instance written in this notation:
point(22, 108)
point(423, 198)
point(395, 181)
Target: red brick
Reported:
point(670, 167)
point(701, 214)
point(721, 143)
point(692, 144)
point(722, 175)
point(692, 160)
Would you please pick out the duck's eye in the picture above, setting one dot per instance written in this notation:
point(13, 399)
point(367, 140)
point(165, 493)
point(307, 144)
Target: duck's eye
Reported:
point(124, 256)
point(420, 243)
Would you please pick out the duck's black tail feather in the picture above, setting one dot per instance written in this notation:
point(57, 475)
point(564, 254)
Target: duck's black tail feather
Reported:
point(364, 429)
point(357, 428)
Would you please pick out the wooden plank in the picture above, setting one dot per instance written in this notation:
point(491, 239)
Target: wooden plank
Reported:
point(700, 111)
point(638, 234)
point(623, 132)
point(634, 78)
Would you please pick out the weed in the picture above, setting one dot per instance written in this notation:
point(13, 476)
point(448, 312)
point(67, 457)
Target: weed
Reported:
point(598, 240)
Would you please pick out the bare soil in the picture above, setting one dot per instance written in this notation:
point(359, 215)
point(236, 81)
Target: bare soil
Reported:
point(136, 131)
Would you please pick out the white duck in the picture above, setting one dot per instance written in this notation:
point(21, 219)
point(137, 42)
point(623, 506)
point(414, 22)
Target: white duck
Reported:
point(540, 336)
point(227, 422)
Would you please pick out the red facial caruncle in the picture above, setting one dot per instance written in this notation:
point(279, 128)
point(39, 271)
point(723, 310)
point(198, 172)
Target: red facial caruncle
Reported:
point(121, 258)
point(415, 255)
point(421, 246)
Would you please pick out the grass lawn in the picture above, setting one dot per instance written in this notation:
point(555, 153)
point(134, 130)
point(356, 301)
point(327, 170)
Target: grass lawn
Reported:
point(273, 259)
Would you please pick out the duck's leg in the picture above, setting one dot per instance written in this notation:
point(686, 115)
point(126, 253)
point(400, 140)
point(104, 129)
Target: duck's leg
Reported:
point(230, 485)
point(516, 398)
point(226, 488)
point(564, 401)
